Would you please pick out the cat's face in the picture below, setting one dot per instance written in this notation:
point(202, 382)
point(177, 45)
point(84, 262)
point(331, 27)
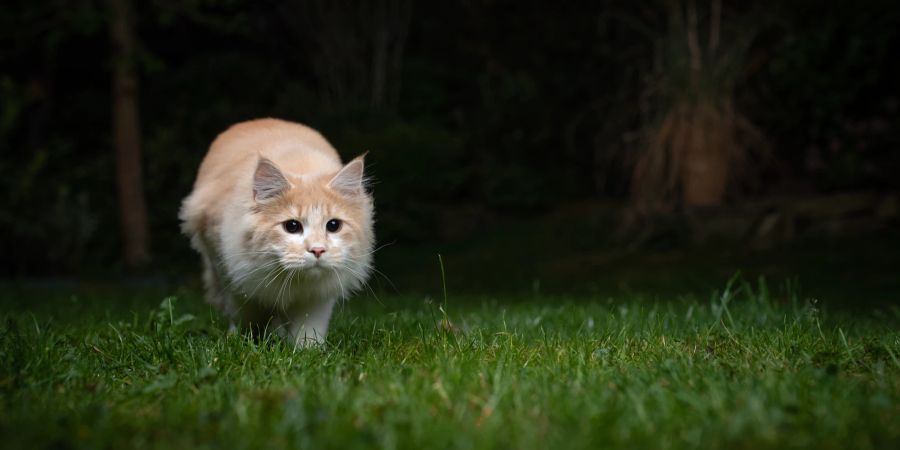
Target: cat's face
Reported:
point(316, 226)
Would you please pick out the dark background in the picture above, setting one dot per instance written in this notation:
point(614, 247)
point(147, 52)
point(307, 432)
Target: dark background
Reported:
point(507, 135)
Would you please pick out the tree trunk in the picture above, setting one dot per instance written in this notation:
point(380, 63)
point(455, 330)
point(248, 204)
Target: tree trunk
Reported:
point(127, 136)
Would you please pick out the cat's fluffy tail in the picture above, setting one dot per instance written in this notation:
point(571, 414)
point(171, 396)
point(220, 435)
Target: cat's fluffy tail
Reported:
point(192, 220)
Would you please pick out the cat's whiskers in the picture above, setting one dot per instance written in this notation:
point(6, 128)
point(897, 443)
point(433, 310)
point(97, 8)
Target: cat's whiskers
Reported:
point(225, 263)
point(257, 268)
point(340, 283)
point(271, 276)
point(249, 297)
point(294, 275)
point(361, 278)
point(372, 252)
point(369, 267)
point(280, 296)
point(237, 282)
point(239, 285)
point(252, 252)
point(382, 275)
point(227, 260)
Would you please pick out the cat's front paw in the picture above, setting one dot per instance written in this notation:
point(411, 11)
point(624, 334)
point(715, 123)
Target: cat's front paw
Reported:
point(308, 333)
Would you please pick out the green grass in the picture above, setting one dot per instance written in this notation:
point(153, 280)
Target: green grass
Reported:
point(745, 367)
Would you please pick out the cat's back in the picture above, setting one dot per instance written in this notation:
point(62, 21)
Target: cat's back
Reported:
point(226, 173)
point(295, 147)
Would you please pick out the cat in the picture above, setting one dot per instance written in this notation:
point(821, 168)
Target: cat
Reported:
point(284, 229)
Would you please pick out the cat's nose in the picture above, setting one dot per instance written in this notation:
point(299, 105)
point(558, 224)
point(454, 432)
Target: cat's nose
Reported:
point(317, 251)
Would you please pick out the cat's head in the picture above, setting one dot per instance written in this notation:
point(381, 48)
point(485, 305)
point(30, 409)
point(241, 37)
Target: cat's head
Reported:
point(319, 225)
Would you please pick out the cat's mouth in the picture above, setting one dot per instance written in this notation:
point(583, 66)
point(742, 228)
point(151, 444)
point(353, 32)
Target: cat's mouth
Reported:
point(305, 266)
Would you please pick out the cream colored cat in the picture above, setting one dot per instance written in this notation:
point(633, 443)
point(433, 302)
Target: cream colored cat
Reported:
point(284, 229)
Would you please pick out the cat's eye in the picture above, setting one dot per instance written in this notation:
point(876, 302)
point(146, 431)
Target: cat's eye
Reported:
point(334, 225)
point(292, 226)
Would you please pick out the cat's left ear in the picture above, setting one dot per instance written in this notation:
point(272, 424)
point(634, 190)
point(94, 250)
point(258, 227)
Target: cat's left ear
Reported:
point(350, 180)
point(268, 181)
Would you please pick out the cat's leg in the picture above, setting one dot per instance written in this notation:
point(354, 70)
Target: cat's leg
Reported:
point(212, 285)
point(260, 320)
point(217, 292)
point(308, 325)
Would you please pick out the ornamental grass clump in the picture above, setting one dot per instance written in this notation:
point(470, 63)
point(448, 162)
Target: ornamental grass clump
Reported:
point(697, 144)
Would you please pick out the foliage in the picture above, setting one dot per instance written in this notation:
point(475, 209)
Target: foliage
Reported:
point(498, 108)
point(750, 366)
point(824, 77)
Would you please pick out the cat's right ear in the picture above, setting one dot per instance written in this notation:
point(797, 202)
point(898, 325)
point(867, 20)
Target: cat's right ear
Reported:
point(268, 181)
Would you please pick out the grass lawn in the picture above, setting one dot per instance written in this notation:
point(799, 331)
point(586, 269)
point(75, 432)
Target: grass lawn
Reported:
point(744, 367)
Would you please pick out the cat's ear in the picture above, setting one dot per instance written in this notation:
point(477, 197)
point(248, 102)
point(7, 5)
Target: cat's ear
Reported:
point(350, 180)
point(268, 181)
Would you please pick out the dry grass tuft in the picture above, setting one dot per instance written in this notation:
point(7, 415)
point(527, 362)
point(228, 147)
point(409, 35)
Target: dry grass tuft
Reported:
point(698, 143)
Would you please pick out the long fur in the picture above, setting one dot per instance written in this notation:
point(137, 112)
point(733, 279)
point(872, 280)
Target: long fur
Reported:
point(256, 176)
